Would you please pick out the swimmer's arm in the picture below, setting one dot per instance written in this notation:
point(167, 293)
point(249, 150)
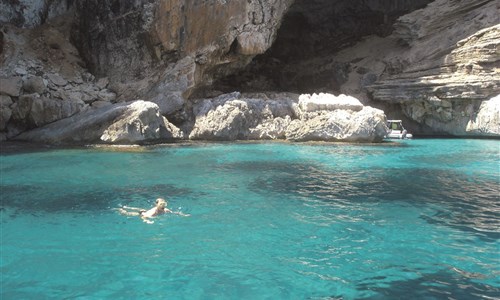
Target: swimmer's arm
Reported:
point(176, 212)
point(181, 213)
point(133, 208)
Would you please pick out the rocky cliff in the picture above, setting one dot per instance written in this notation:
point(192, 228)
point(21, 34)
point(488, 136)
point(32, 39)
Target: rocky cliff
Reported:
point(165, 50)
point(449, 65)
point(433, 63)
point(433, 67)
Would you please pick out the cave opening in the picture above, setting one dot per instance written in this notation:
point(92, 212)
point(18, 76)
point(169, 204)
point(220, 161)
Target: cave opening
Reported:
point(302, 58)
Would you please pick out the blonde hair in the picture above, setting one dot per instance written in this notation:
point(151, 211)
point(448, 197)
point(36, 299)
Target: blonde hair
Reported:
point(160, 200)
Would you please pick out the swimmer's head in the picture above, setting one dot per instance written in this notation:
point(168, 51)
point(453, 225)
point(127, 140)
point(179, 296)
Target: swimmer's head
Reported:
point(161, 203)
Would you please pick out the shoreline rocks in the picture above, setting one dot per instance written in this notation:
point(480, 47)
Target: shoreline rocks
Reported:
point(365, 125)
point(229, 117)
point(322, 101)
point(322, 117)
point(127, 123)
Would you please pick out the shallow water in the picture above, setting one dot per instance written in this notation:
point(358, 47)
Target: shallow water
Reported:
point(409, 219)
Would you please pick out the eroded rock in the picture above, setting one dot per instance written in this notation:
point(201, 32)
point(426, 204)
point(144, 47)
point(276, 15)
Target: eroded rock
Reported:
point(57, 79)
point(5, 111)
point(324, 101)
point(312, 118)
point(449, 69)
point(487, 120)
point(52, 85)
point(34, 84)
point(130, 122)
point(366, 125)
point(140, 122)
point(270, 129)
point(439, 67)
point(172, 48)
point(34, 110)
point(11, 86)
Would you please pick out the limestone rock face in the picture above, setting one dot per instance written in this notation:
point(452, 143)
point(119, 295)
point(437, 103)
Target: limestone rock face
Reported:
point(232, 116)
point(140, 122)
point(311, 32)
point(163, 50)
point(311, 118)
point(270, 129)
point(130, 122)
point(35, 111)
point(30, 13)
point(34, 84)
point(11, 86)
point(469, 71)
point(439, 67)
point(42, 78)
point(487, 120)
point(323, 101)
point(366, 125)
point(451, 66)
point(5, 111)
point(425, 66)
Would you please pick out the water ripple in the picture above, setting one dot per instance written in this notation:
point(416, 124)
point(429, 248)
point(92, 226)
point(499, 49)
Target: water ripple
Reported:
point(470, 204)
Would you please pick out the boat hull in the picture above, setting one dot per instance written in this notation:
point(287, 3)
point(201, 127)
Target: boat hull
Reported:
point(399, 135)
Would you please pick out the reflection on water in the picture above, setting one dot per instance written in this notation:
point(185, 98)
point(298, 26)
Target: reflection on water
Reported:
point(471, 204)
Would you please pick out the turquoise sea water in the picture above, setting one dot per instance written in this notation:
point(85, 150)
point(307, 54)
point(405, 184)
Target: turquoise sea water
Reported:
point(412, 219)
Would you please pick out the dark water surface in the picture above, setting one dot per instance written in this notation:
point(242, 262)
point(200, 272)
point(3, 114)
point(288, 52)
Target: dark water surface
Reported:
point(410, 219)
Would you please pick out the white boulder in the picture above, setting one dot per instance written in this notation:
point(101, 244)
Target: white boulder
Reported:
point(321, 117)
point(366, 125)
point(324, 101)
point(487, 120)
point(126, 123)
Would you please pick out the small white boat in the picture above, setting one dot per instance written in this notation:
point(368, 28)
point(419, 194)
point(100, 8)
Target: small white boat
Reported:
point(397, 131)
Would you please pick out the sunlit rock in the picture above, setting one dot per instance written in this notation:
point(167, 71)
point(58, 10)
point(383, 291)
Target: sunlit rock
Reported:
point(233, 116)
point(324, 101)
point(366, 125)
point(130, 122)
point(487, 120)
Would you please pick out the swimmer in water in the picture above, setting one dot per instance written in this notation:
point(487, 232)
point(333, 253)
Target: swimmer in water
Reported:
point(159, 209)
